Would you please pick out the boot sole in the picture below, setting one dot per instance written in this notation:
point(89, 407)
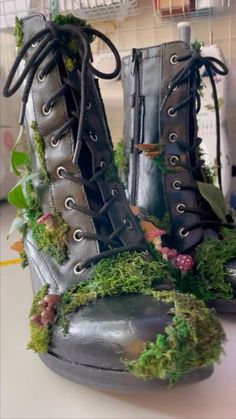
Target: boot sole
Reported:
point(223, 306)
point(116, 380)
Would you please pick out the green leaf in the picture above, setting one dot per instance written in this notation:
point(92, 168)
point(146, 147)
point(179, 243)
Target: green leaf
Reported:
point(16, 197)
point(214, 197)
point(15, 225)
point(18, 158)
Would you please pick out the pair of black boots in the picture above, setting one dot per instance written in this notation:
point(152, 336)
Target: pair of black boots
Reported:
point(108, 311)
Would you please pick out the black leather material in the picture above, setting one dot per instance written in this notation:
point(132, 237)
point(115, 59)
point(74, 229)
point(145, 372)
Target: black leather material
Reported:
point(109, 330)
point(154, 191)
point(55, 194)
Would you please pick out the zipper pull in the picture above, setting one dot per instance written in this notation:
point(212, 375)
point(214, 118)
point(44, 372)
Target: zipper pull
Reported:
point(134, 59)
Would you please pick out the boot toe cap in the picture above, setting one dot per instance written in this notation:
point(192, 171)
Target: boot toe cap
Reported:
point(111, 329)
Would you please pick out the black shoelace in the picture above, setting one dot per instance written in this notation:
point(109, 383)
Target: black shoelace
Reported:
point(192, 71)
point(55, 38)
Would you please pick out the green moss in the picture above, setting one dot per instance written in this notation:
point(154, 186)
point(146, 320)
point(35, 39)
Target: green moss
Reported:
point(52, 242)
point(192, 340)
point(121, 159)
point(39, 145)
point(111, 173)
point(126, 273)
point(40, 336)
point(209, 171)
point(24, 259)
point(18, 32)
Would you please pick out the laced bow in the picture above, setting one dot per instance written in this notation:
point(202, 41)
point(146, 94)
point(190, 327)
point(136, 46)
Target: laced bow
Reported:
point(52, 38)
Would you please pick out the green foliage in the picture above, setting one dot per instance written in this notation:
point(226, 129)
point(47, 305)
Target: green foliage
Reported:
point(16, 197)
point(39, 145)
point(24, 259)
point(40, 336)
point(214, 197)
point(18, 32)
point(121, 159)
point(192, 340)
point(19, 158)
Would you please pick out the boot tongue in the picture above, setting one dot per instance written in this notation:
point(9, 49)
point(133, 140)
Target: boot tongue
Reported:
point(31, 25)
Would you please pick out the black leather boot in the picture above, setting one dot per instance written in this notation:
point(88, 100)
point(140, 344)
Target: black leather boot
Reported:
point(166, 174)
point(98, 315)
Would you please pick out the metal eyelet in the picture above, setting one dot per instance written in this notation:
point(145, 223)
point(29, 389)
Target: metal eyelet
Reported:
point(67, 201)
point(172, 137)
point(173, 160)
point(180, 208)
point(128, 224)
point(174, 59)
point(171, 112)
point(177, 184)
point(173, 90)
point(59, 170)
point(54, 142)
point(45, 110)
point(114, 192)
point(41, 77)
point(89, 106)
point(34, 45)
point(78, 270)
point(93, 136)
point(77, 239)
point(103, 163)
point(145, 252)
point(183, 232)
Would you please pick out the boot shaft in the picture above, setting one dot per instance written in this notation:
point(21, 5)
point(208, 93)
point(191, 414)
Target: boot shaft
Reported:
point(160, 132)
point(75, 174)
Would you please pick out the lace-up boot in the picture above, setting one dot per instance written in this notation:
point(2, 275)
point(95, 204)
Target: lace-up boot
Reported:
point(167, 177)
point(104, 312)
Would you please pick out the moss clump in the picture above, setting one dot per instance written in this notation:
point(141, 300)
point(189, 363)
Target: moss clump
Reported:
point(121, 160)
point(18, 32)
point(39, 145)
point(40, 336)
point(211, 259)
point(52, 242)
point(126, 273)
point(192, 340)
point(24, 259)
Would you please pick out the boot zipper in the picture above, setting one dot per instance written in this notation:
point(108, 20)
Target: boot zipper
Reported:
point(138, 123)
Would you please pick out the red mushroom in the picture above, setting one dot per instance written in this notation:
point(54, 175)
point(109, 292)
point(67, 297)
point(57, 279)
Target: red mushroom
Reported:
point(51, 299)
point(167, 253)
point(47, 316)
point(154, 233)
point(47, 220)
point(184, 263)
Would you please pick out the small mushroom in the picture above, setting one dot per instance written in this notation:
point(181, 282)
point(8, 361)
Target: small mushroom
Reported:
point(43, 304)
point(18, 246)
point(36, 319)
point(184, 263)
point(47, 220)
point(47, 316)
point(52, 299)
point(168, 254)
point(152, 234)
point(150, 150)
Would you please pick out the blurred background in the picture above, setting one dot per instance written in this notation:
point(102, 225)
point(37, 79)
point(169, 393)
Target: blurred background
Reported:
point(129, 24)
